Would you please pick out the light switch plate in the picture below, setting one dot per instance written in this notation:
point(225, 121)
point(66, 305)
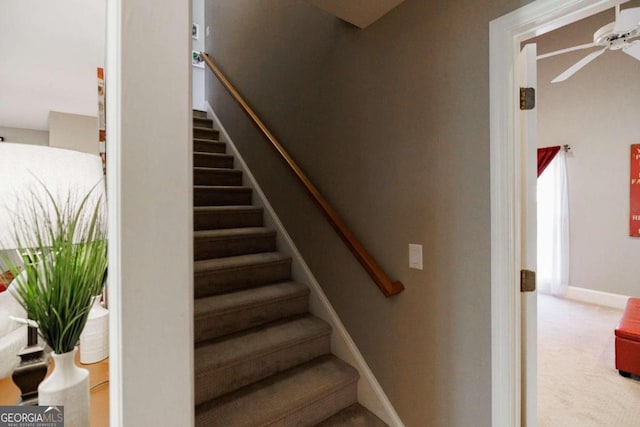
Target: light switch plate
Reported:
point(415, 256)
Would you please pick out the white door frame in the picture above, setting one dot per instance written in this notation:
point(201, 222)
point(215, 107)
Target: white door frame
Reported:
point(506, 35)
point(149, 181)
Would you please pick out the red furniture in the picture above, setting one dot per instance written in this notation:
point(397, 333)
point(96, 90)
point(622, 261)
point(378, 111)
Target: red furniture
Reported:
point(628, 340)
point(5, 280)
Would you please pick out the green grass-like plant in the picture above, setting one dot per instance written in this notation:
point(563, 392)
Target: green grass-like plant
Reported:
point(63, 247)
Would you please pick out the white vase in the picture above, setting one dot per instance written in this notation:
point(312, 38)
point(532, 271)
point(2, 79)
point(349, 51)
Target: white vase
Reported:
point(68, 386)
point(94, 340)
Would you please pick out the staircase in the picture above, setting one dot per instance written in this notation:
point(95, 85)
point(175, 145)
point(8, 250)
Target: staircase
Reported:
point(261, 359)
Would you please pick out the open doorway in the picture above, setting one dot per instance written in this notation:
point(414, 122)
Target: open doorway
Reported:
point(49, 132)
point(508, 174)
point(594, 112)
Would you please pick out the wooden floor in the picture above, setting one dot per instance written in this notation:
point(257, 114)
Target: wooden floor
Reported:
point(98, 381)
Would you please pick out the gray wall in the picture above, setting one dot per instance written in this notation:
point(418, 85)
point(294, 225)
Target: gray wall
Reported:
point(597, 112)
point(392, 124)
point(25, 136)
point(74, 132)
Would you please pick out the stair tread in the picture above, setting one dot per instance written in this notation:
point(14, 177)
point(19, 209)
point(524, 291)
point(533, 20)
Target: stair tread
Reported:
point(233, 232)
point(355, 415)
point(233, 215)
point(217, 170)
point(238, 261)
point(252, 297)
point(245, 208)
point(278, 396)
point(223, 187)
point(254, 343)
point(223, 314)
point(204, 128)
point(207, 154)
point(231, 362)
point(208, 141)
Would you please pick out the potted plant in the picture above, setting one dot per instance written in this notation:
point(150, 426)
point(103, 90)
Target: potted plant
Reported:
point(63, 247)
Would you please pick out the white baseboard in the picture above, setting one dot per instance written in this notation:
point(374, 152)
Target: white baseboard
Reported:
point(596, 297)
point(370, 394)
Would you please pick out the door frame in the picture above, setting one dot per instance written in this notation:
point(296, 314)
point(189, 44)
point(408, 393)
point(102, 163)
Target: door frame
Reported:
point(150, 230)
point(505, 36)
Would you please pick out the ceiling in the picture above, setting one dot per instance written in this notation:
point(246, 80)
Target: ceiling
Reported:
point(360, 13)
point(49, 52)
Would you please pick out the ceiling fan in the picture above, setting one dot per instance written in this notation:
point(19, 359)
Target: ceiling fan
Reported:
point(617, 35)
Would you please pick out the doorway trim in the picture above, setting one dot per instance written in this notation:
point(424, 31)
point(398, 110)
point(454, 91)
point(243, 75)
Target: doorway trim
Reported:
point(505, 36)
point(149, 172)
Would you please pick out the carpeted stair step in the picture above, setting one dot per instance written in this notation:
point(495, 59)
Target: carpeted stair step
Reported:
point(217, 176)
point(213, 217)
point(199, 114)
point(354, 416)
point(207, 146)
point(302, 396)
point(221, 275)
point(212, 160)
point(233, 241)
point(225, 365)
point(224, 314)
point(202, 122)
point(212, 195)
point(205, 133)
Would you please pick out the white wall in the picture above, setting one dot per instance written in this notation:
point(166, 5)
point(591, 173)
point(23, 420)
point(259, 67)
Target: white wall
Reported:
point(198, 73)
point(150, 213)
point(50, 52)
point(198, 89)
point(597, 112)
point(198, 17)
point(74, 132)
point(24, 136)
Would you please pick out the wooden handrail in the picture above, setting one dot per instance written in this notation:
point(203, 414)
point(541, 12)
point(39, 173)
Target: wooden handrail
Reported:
point(386, 285)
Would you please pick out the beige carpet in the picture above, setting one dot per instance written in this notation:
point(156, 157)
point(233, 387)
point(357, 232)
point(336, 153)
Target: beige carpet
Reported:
point(578, 385)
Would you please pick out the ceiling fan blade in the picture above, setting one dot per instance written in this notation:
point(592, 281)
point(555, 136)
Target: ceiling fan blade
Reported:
point(633, 49)
point(569, 49)
point(627, 20)
point(578, 65)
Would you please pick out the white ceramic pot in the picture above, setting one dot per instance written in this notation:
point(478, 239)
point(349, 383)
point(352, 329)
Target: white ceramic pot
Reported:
point(68, 386)
point(94, 340)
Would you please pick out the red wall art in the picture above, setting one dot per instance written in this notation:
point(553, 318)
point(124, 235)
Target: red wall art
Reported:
point(634, 200)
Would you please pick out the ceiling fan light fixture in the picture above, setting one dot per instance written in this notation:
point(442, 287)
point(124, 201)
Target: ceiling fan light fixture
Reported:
point(615, 35)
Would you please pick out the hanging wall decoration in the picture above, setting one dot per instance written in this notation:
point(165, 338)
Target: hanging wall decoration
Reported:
point(196, 59)
point(634, 200)
point(102, 122)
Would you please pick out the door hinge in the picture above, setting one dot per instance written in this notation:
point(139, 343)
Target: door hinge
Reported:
point(527, 281)
point(527, 98)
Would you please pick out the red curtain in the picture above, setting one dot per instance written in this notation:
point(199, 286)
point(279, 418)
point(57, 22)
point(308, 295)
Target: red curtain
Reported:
point(545, 156)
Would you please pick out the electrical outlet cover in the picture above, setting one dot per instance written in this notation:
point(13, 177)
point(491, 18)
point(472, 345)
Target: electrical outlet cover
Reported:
point(415, 256)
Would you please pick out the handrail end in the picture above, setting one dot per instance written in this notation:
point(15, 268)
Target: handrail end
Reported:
point(394, 289)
